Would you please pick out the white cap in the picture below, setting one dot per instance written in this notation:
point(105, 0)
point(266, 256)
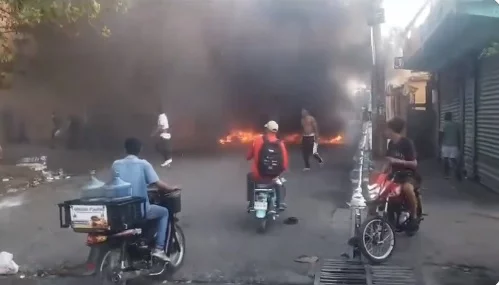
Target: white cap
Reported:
point(272, 126)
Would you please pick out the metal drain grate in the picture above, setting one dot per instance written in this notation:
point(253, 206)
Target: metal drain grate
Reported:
point(341, 272)
point(345, 272)
point(390, 275)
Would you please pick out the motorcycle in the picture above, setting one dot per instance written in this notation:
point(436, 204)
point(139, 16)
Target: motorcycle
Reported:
point(265, 201)
point(388, 213)
point(125, 255)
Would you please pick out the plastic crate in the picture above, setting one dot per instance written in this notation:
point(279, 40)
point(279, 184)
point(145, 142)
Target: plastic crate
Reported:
point(101, 215)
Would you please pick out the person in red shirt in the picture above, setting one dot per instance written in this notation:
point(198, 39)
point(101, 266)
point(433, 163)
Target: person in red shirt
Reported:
point(254, 176)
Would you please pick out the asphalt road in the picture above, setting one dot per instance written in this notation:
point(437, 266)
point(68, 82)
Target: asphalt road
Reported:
point(222, 243)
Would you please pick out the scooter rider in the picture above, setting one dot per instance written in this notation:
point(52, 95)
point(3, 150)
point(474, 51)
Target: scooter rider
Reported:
point(270, 160)
point(401, 158)
point(141, 174)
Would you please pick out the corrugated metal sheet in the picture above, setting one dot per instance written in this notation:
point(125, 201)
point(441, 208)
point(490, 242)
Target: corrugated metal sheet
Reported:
point(487, 124)
point(450, 100)
point(469, 127)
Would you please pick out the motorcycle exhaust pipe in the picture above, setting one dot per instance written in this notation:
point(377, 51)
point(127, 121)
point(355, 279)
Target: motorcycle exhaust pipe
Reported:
point(160, 272)
point(126, 275)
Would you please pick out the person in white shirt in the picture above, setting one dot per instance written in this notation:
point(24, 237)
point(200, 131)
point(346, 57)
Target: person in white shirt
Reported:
point(163, 135)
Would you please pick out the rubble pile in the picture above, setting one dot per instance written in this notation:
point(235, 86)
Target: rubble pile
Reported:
point(28, 172)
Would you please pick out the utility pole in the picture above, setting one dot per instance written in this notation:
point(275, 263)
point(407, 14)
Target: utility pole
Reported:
point(378, 101)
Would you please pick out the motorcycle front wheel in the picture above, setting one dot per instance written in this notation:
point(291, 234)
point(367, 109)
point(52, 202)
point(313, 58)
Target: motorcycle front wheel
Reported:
point(178, 255)
point(376, 240)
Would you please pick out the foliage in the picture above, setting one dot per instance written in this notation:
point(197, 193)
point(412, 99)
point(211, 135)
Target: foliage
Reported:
point(18, 16)
point(491, 50)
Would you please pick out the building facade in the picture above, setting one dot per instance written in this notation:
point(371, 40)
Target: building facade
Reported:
point(453, 44)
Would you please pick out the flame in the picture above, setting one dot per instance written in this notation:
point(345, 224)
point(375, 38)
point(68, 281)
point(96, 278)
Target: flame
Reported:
point(247, 137)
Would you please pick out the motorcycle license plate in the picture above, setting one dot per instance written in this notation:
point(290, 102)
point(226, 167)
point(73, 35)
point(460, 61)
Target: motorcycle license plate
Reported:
point(260, 205)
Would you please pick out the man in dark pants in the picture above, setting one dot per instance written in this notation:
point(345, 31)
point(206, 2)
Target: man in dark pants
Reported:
point(310, 139)
point(163, 145)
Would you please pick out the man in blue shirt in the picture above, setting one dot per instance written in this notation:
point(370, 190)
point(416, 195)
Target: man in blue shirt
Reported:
point(140, 174)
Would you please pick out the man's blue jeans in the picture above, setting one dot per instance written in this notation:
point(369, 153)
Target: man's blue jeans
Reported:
point(161, 213)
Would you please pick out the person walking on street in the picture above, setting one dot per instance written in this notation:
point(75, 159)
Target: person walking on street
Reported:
point(310, 139)
point(451, 139)
point(56, 129)
point(163, 144)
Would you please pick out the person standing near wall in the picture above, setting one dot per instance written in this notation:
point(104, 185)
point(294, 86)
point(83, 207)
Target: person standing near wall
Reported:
point(451, 137)
point(163, 144)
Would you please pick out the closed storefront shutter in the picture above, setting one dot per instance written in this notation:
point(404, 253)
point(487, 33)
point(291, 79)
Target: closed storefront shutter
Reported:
point(469, 127)
point(450, 100)
point(487, 123)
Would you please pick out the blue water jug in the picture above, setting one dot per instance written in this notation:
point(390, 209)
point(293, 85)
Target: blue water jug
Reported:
point(118, 188)
point(93, 189)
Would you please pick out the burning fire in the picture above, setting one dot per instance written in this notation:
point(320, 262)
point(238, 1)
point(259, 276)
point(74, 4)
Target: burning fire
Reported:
point(247, 137)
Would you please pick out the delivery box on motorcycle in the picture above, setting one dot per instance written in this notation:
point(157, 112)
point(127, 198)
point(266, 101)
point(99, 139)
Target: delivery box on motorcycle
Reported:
point(102, 214)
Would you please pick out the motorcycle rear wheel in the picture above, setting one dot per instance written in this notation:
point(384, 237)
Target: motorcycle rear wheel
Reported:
point(420, 216)
point(105, 274)
point(379, 227)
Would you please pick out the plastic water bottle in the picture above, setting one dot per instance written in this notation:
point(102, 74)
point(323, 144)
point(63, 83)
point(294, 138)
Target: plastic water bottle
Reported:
point(93, 189)
point(117, 188)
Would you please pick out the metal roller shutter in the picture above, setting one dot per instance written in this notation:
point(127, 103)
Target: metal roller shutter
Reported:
point(487, 133)
point(469, 127)
point(449, 97)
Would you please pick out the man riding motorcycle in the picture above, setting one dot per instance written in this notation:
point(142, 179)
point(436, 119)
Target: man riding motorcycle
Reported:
point(263, 145)
point(140, 174)
point(401, 159)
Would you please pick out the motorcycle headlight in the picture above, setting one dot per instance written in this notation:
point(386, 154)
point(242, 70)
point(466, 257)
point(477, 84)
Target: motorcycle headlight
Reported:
point(373, 191)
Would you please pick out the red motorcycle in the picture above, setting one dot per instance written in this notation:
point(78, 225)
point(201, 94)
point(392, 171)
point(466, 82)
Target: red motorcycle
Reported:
point(388, 213)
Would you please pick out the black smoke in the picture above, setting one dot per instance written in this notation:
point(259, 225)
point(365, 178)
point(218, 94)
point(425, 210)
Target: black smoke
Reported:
point(214, 65)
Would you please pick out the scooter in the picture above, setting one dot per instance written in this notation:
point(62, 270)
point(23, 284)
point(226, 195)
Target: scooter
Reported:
point(265, 206)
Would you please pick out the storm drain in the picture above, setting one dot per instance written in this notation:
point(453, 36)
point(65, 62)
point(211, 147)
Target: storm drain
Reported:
point(390, 275)
point(356, 273)
point(341, 272)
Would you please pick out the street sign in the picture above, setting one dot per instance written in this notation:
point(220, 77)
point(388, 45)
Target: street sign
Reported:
point(377, 17)
point(398, 63)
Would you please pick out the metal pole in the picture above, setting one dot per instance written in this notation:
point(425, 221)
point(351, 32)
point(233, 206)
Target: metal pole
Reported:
point(369, 143)
point(378, 79)
point(359, 174)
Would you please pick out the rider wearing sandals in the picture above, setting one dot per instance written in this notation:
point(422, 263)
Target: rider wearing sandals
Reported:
point(401, 158)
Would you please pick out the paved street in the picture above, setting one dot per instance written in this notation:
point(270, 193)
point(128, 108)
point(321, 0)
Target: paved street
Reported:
point(456, 244)
point(222, 243)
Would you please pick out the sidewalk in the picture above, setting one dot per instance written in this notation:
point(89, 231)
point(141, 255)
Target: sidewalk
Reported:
point(29, 219)
point(457, 243)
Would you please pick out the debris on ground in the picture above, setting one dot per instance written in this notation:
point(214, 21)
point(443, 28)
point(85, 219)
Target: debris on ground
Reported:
point(35, 163)
point(291, 221)
point(307, 259)
point(27, 173)
point(7, 264)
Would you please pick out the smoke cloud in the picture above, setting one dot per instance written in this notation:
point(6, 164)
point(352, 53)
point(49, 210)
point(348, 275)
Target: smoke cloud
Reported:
point(212, 64)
